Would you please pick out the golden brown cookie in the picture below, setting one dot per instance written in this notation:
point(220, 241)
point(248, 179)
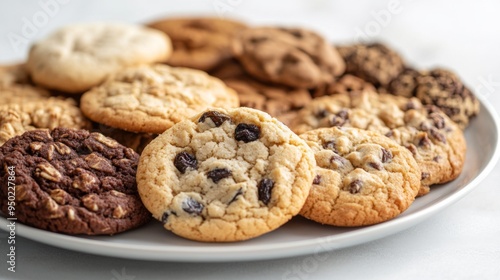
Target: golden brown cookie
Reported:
point(78, 57)
point(225, 175)
point(362, 177)
point(435, 141)
point(291, 57)
point(199, 42)
point(152, 98)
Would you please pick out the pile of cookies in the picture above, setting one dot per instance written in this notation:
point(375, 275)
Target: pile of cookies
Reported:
point(219, 130)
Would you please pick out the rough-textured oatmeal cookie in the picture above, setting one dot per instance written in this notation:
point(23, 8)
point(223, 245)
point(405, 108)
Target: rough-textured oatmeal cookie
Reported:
point(72, 181)
point(28, 114)
point(362, 177)
point(225, 175)
point(375, 63)
point(77, 57)
point(435, 141)
point(288, 56)
point(200, 43)
point(152, 98)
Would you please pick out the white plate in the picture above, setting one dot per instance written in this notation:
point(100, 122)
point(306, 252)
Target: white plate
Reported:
point(299, 236)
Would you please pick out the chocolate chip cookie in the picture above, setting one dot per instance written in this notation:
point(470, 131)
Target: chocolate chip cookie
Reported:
point(436, 142)
point(291, 57)
point(375, 63)
point(72, 181)
point(78, 57)
point(362, 177)
point(199, 43)
point(225, 175)
point(345, 84)
point(152, 98)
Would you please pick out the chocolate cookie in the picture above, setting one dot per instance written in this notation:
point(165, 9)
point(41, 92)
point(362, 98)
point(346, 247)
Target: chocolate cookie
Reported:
point(199, 43)
point(362, 177)
point(225, 175)
point(71, 181)
point(152, 98)
point(375, 63)
point(291, 57)
point(436, 142)
point(135, 141)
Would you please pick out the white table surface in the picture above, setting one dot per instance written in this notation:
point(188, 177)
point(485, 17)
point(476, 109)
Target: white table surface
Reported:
point(461, 242)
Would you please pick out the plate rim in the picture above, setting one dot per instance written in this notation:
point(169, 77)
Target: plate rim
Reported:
point(180, 253)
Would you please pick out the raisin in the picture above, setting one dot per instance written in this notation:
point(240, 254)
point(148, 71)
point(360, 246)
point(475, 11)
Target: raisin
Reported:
point(355, 186)
point(330, 145)
point(265, 187)
point(217, 118)
point(386, 155)
point(317, 180)
point(246, 132)
point(339, 119)
point(184, 160)
point(192, 206)
point(218, 174)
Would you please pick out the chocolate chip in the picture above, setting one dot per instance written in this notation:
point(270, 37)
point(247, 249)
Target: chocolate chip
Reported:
point(317, 180)
point(424, 175)
point(246, 132)
point(424, 141)
point(386, 155)
point(355, 186)
point(436, 158)
point(375, 165)
point(218, 174)
point(412, 149)
point(264, 189)
point(192, 206)
point(410, 105)
point(183, 161)
point(164, 217)
point(338, 159)
point(238, 193)
point(389, 134)
point(438, 120)
point(437, 135)
point(217, 118)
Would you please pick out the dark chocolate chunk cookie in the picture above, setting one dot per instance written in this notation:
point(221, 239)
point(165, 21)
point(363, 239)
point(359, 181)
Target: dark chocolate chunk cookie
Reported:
point(71, 181)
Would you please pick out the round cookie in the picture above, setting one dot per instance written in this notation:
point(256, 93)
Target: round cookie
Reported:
point(200, 43)
point(436, 142)
point(71, 181)
point(291, 57)
point(375, 63)
point(446, 91)
point(78, 57)
point(49, 113)
point(152, 98)
point(225, 175)
point(405, 84)
point(362, 177)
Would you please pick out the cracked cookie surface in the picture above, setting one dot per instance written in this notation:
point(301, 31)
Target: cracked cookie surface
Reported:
point(72, 181)
point(225, 175)
point(152, 98)
point(362, 177)
point(436, 142)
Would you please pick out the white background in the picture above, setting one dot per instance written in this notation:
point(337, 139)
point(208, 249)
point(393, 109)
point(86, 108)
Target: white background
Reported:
point(462, 242)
